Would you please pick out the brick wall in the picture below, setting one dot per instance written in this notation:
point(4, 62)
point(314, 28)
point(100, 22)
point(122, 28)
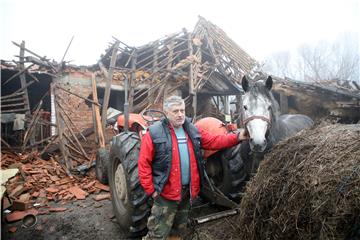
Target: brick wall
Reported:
point(76, 108)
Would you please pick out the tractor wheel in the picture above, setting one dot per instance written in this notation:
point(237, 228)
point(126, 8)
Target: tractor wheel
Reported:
point(101, 165)
point(129, 200)
point(227, 172)
point(236, 172)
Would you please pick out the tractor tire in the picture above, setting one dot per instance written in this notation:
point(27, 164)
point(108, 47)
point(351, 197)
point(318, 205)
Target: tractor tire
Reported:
point(129, 200)
point(230, 174)
point(236, 173)
point(101, 165)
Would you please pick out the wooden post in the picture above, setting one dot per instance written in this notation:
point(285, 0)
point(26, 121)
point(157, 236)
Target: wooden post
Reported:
point(151, 92)
point(132, 80)
point(192, 90)
point(191, 75)
point(108, 85)
point(97, 122)
point(23, 84)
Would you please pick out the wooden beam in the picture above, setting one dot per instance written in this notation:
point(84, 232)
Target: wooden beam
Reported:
point(12, 95)
point(108, 85)
point(97, 122)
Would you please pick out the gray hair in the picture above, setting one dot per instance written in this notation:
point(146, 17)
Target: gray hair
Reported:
point(173, 100)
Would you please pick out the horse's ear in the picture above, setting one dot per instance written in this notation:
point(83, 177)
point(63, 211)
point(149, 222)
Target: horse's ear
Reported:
point(245, 83)
point(268, 83)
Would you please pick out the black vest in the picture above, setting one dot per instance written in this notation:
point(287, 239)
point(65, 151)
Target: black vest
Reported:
point(160, 135)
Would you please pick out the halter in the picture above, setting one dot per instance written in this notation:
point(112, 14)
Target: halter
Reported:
point(245, 121)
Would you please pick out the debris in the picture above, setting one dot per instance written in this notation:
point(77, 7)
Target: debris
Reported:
point(101, 197)
point(57, 209)
point(18, 215)
point(78, 192)
point(102, 186)
point(20, 205)
point(52, 190)
point(29, 220)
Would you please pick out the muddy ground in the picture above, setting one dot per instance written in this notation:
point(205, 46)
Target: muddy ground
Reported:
point(86, 219)
point(83, 219)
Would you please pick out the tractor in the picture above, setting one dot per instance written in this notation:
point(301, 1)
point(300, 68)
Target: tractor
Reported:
point(225, 171)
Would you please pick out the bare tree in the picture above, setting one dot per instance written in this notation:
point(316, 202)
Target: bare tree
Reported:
point(323, 61)
point(279, 64)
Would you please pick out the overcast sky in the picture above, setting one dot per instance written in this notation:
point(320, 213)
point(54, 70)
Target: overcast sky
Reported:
point(260, 27)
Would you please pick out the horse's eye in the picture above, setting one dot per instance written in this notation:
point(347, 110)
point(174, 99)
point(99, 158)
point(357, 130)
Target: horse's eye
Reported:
point(269, 108)
point(245, 107)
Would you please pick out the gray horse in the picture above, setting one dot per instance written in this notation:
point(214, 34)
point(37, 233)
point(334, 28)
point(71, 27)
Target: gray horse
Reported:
point(260, 116)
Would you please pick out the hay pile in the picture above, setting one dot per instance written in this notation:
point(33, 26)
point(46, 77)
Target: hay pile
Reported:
point(307, 187)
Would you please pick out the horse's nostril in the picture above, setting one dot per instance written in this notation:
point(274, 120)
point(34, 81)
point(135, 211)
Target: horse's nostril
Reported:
point(251, 140)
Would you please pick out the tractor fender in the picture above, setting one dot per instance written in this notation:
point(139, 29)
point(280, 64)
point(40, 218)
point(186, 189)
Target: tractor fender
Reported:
point(213, 126)
point(134, 118)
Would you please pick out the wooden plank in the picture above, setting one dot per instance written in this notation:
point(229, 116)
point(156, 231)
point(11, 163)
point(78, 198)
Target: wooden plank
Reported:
point(97, 114)
point(15, 110)
point(13, 105)
point(12, 100)
point(12, 95)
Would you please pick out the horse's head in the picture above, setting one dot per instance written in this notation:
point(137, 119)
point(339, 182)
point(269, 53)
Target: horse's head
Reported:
point(258, 112)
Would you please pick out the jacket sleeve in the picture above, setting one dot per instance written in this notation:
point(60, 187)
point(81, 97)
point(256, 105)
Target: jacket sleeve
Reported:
point(145, 164)
point(217, 142)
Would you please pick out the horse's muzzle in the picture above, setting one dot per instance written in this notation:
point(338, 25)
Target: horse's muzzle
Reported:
point(257, 146)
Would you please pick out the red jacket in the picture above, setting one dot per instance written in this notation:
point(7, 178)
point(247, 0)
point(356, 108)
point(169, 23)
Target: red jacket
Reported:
point(172, 189)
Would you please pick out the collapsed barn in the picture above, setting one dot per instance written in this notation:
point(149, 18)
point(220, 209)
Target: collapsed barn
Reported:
point(55, 107)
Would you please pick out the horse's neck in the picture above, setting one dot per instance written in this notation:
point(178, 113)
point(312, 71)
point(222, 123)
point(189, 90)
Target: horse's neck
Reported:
point(275, 134)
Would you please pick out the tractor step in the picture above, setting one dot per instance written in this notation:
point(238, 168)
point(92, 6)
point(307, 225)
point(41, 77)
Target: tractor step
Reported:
point(214, 216)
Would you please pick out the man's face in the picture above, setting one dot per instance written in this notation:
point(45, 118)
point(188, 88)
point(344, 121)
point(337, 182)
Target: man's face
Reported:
point(176, 114)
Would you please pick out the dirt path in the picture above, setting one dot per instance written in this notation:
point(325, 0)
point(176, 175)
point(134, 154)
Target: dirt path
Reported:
point(83, 219)
point(86, 219)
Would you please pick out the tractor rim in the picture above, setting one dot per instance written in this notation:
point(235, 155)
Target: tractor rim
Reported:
point(120, 184)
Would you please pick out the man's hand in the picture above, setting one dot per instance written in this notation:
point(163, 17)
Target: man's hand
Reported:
point(154, 195)
point(242, 135)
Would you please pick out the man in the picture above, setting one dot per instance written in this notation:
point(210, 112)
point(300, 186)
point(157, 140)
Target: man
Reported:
point(171, 168)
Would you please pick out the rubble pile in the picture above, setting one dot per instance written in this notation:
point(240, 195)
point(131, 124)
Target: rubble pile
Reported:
point(307, 187)
point(42, 181)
